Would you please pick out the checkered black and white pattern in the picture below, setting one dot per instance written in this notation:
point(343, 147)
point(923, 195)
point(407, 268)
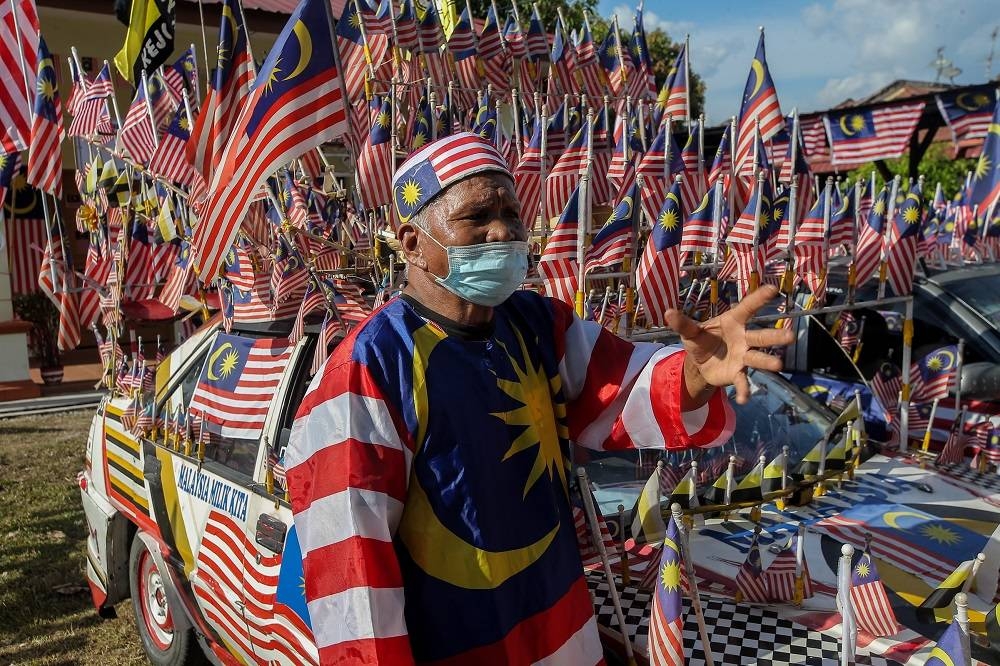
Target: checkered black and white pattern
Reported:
point(740, 634)
point(963, 472)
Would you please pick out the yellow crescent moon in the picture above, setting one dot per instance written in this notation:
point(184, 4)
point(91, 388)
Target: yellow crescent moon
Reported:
point(433, 547)
point(305, 48)
point(215, 357)
point(938, 653)
point(42, 64)
point(968, 106)
point(994, 128)
point(843, 125)
point(628, 207)
point(672, 196)
point(949, 357)
point(758, 71)
point(227, 15)
point(891, 518)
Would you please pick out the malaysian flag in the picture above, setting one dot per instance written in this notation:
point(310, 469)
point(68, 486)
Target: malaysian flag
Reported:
point(967, 112)
point(18, 55)
point(760, 107)
point(814, 138)
point(901, 256)
point(406, 26)
point(92, 107)
point(462, 45)
point(55, 278)
point(642, 84)
point(493, 54)
point(537, 41)
point(182, 76)
point(289, 274)
point(666, 617)
point(657, 174)
point(282, 120)
point(558, 265)
point(138, 134)
point(314, 300)
point(25, 237)
point(590, 554)
point(528, 176)
point(237, 384)
point(864, 135)
point(613, 60)
point(587, 64)
point(170, 161)
point(886, 384)
point(673, 98)
point(658, 275)
point(562, 62)
point(750, 582)
point(721, 161)
point(781, 576)
point(565, 175)
point(702, 224)
point(868, 253)
point(936, 373)
point(45, 152)
point(871, 604)
point(374, 175)
point(613, 241)
point(985, 189)
point(431, 36)
point(230, 86)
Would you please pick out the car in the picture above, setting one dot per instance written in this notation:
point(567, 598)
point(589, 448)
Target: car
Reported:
point(948, 306)
point(193, 524)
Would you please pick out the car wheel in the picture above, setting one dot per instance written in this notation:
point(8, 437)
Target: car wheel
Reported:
point(164, 644)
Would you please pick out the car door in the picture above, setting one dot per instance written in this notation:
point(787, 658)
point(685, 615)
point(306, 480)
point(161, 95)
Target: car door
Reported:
point(276, 607)
point(215, 420)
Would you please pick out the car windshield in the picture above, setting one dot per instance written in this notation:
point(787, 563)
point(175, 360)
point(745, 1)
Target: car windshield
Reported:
point(777, 415)
point(981, 292)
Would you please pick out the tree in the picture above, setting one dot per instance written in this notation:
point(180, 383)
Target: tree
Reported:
point(936, 167)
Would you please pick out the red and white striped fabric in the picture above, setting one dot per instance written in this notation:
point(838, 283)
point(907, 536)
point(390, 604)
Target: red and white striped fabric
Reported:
point(901, 260)
point(658, 281)
point(528, 178)
point(814, 138)
point(871, 603)
point(239, 412)
point(590, 556)
point(138, 133)
point(92, 107)
point(558, 263)
point(314, 299)
point(170, 158)
point(26, 241)
point(18, 18)
point(177, 284)
point(566, 172)
point(54, 274)
point(889, 136)
point(96, 271)
point(374, 176)
point(45, 165)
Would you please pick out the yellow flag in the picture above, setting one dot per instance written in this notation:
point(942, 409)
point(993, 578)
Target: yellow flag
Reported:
point(165, 221)
point(149, 40)
point(448, 11)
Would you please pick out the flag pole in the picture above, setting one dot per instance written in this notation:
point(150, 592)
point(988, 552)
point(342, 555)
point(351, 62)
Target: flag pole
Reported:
point(542, 110)
point(595, 535)
point(630, 265)
point(800, 584)
point(706, 644)
point(687, 89)
point(204, 47)
point(852, 277)
point(149, 109)
point(886, 233)
point(583, 226)
point(904, 402)
point(849, 634)
point(962, 618)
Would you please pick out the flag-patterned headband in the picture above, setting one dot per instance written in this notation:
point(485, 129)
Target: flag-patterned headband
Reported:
point(439, 164)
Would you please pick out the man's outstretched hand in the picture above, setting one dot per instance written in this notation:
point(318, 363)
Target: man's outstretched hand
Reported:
point(720, 350)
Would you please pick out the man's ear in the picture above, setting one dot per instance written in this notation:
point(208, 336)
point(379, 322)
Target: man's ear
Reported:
point(408, 236)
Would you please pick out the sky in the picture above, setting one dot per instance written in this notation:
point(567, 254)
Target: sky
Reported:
point(821, 53)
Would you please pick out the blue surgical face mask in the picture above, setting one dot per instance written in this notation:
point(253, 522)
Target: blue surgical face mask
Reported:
point(486, 273)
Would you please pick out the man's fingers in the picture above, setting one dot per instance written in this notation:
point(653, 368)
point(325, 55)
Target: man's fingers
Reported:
point(754, 301)
point(742, 385)
point(769, 337)
point(762, 361)
point(685, 326)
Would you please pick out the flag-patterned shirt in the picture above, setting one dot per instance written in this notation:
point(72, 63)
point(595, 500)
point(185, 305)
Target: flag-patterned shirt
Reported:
point(429, 476)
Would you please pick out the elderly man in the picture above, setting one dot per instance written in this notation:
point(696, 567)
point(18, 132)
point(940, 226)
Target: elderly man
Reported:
point(429, 463)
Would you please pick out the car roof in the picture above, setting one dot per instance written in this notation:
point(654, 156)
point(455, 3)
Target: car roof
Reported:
point(964, 273)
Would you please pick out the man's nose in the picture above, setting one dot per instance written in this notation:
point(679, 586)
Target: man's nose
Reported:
point(502, 230)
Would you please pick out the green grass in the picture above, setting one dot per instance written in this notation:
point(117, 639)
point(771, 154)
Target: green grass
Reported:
point(46, 614)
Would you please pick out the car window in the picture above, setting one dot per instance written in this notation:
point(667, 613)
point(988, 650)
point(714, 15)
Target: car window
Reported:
point(234, 391)
point(982, 293)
